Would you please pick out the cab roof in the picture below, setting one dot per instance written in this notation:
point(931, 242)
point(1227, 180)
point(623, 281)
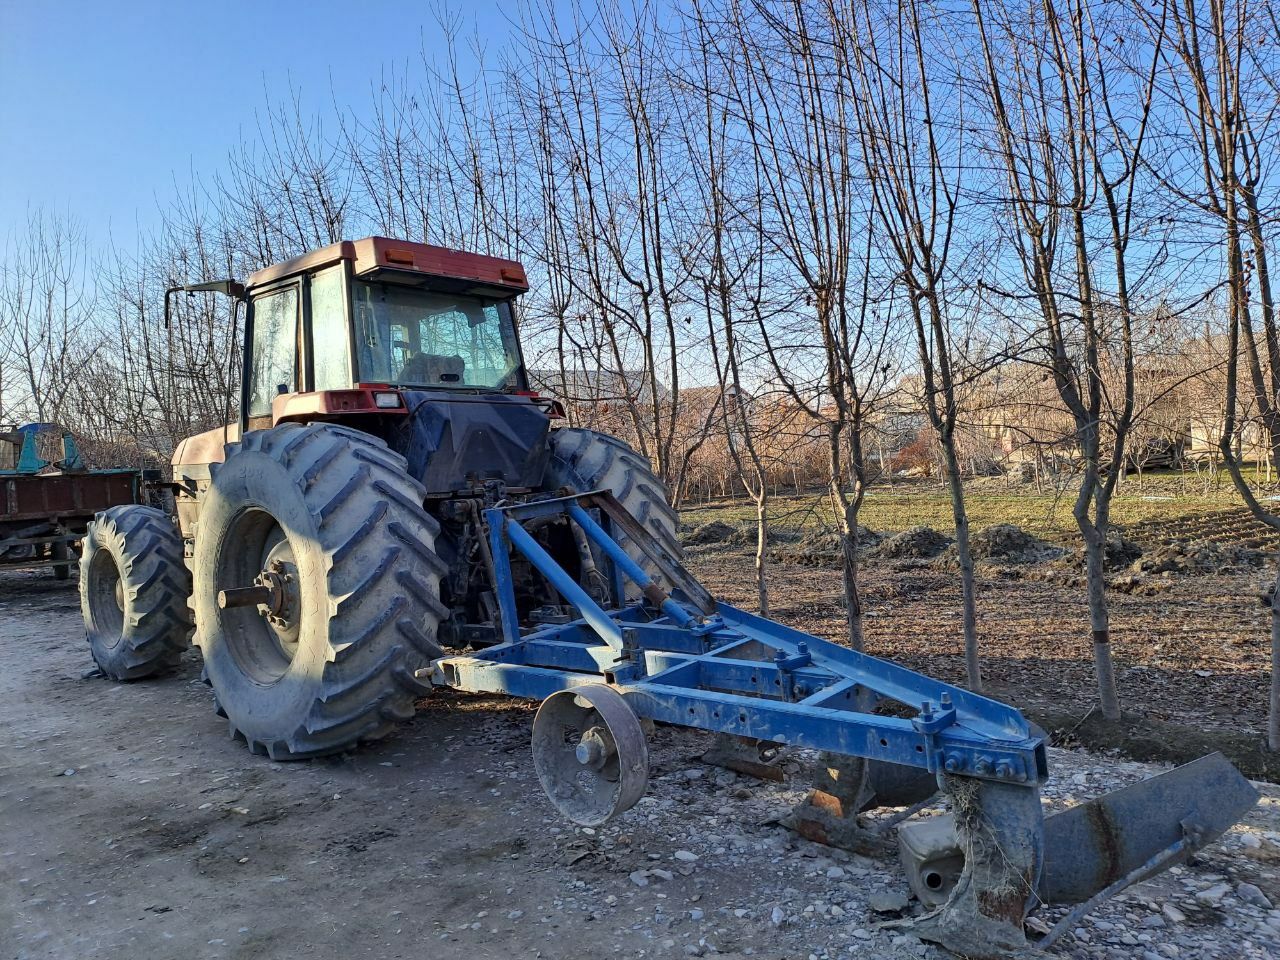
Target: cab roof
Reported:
point(400, 260)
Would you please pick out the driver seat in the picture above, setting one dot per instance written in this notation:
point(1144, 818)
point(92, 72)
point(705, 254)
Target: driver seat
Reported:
point(429, 369)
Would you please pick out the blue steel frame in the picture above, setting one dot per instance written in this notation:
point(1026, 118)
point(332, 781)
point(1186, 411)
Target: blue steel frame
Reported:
point(685, 659)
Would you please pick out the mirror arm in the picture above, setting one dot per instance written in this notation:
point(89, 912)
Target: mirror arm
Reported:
point(230, 288)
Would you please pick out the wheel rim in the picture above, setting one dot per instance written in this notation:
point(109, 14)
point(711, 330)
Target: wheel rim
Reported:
point(590, 754)
point(263, 639)
point(107, 601)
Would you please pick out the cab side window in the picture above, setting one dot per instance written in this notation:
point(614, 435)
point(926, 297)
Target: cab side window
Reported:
point(275, 349)
point(329, 338)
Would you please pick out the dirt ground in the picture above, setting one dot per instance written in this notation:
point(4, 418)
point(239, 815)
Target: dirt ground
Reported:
point(132, 827)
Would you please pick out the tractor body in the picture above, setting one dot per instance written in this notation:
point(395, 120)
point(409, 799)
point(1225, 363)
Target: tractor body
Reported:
point(395, 510)
point(410, 343)
point(413, 345)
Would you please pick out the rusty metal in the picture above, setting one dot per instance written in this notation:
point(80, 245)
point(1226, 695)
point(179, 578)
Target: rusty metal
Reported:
point(1090, 846)
point(1000, 828)
point(1095, 845)
point(845, 787)
point(43, 515)
point(1179, 850)
point(61, 497)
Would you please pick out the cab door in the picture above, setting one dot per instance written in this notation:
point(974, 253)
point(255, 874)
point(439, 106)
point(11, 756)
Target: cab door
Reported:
point(273, 352)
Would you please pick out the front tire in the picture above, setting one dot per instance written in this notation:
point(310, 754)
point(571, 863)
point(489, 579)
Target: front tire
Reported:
point(330, 517)
point(133, 592)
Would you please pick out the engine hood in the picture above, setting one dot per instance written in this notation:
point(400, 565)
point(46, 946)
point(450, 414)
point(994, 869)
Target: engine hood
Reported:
point(454, 441)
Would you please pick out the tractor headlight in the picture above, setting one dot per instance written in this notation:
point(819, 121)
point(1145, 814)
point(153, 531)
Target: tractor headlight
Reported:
point(386, 401)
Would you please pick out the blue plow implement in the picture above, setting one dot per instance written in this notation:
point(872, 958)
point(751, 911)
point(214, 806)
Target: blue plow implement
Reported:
point(675, 655)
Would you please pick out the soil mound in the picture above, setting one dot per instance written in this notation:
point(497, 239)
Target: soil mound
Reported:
point(1004, 543)
point(1119, 553)
point(715, 531)
point(820, 547)
point(1196, 556)
point(1012, 544)
point(918, 543)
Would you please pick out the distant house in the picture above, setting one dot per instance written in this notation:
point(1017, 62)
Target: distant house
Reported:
point(1020, 410)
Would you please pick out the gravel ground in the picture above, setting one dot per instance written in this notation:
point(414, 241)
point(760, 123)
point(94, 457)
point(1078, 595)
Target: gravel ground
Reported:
point(131, 827)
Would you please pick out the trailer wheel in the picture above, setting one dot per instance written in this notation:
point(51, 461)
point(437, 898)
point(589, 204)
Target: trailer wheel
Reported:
point(59, 550)
point(316, 589)
point(133, 592)
point(584, 460)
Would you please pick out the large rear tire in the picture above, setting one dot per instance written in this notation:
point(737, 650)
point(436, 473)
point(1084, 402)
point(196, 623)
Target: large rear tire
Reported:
point(330, 518)
point(584, 460)
point(134, 587)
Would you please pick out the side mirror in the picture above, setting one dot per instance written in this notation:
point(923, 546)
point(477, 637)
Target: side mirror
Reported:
point(230, 288)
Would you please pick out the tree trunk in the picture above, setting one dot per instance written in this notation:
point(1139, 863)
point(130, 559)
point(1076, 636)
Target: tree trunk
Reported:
point(1100, 623)
point(762, 545)
point(1273, 715)
point(849, 555)
point(968, 589)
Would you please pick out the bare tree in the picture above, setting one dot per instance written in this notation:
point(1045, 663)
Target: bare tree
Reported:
point(170, 381)
point(47, 312)
point(912, 132)
point(1070, 122)
point(792, 88)
point(730, 279)
point(287, 191)
point(611, 157)
point(1221, 81)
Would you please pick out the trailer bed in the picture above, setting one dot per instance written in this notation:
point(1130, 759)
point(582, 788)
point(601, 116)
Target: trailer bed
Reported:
point(44, 515)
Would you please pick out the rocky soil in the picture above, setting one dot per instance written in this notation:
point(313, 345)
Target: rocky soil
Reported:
point(131, 827)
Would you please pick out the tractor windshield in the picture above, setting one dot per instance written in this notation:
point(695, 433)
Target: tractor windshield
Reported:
point(422, 338)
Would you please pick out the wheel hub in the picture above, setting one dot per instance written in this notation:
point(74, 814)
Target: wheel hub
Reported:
point(593, 751)
point(283, 607)
point(275, 595)
point(281, 579)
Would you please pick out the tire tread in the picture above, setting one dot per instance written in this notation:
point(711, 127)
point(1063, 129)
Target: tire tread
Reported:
point(364, 504)
point(147, 551)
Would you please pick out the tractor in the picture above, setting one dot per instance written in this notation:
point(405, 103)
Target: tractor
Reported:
point(397, 510)
point(330, 542)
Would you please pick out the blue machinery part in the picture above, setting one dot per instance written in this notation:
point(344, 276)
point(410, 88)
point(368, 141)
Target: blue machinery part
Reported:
point(683, 658)
point(30, 462)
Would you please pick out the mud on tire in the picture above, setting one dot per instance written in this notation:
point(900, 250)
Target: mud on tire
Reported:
point(335, 509)
point(584, 460)
point(133, 592)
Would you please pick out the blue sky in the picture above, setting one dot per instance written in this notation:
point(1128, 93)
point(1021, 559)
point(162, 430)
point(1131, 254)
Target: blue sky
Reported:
point(104, 106)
